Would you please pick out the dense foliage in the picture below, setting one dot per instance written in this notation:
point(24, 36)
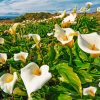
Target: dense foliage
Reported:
point(71, 68)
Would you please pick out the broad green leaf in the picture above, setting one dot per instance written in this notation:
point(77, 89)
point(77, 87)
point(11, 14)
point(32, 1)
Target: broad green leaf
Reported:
point(87, 76)
point(71, 76)
point(18, 91)
point(64, 97)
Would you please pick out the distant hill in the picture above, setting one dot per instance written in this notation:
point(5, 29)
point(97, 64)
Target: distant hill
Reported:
point(38, 16)
point(35, 16)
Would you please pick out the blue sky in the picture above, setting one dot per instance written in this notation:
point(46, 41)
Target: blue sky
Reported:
point(23, 6)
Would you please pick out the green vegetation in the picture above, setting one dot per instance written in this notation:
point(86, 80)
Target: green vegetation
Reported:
point(68, 79)
point(35, 16)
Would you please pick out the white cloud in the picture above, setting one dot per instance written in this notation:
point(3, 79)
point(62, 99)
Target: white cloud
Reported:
point(23, 6)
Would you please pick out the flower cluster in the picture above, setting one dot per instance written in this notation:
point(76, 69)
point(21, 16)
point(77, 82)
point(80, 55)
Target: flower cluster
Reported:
point(33, 76)
point(58, 44)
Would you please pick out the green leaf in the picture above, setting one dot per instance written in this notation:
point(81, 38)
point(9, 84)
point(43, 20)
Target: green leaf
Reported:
point(83, 55)
point(97, 61)
point(87, 76)
point(72, 77)
point(82, 65)
point(18, 91)
point(51, 53)
point(64, 97)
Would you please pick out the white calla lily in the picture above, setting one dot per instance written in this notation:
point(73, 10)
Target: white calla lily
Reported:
point(88, 4)
point(3, 58)
point(7, 82)
point(62, 15)
point(34, 77)
point(64, 35)
point(83, 9)
point(28, 36)
point(98, 9)
point(21, 56)
point(69, 19)
point(89, 91)
point(89, 43)
point(1, 40)
point(12, 30)
point(36, 38)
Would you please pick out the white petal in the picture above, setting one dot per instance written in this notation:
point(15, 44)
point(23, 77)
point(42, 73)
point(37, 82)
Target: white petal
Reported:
point(86, 90)
point(7, 87)
point(31, 81)
point(98, 9)
point(63, 14)
point(12, 29)
point(36, 38)
point(71, 18)
point(49, 34)
point(85, 40)
point(33, 46)
point(1, 40)
point(89, 4)
point(16, 56)
point(3, 56)
point(44, 68)
point(25, 54)
point(83, 9)
point(65, 32)
point(58, 30)
point(15, 26)
point(28, 36)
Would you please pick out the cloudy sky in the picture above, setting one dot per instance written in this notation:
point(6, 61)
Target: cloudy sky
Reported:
point(23, 6)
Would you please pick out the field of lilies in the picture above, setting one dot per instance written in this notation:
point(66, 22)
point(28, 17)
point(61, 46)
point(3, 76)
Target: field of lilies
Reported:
point(51, 59)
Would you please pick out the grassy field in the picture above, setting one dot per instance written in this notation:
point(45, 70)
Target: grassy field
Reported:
point(72, 69)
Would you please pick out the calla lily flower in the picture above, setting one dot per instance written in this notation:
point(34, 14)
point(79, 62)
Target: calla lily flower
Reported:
point(69, 20)
point(83, 10)
point(34, 77)
point(12, 30)
point(88, 4)
point(98, 9)
point(89, 91)
point(89, 43)
point(3, 58)
point(1, 40)
point(7, 82)
point(49, 34)
point(20, 56)
point(28, 36)
point(64, 35)
point(62, 15)
point(36, 38)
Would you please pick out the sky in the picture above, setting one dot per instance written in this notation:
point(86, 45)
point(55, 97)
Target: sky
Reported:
point(16, 7)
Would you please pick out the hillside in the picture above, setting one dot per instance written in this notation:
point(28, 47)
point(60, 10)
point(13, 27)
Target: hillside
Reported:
point(39, 16)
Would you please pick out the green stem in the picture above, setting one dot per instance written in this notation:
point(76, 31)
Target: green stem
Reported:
point(70, 52)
